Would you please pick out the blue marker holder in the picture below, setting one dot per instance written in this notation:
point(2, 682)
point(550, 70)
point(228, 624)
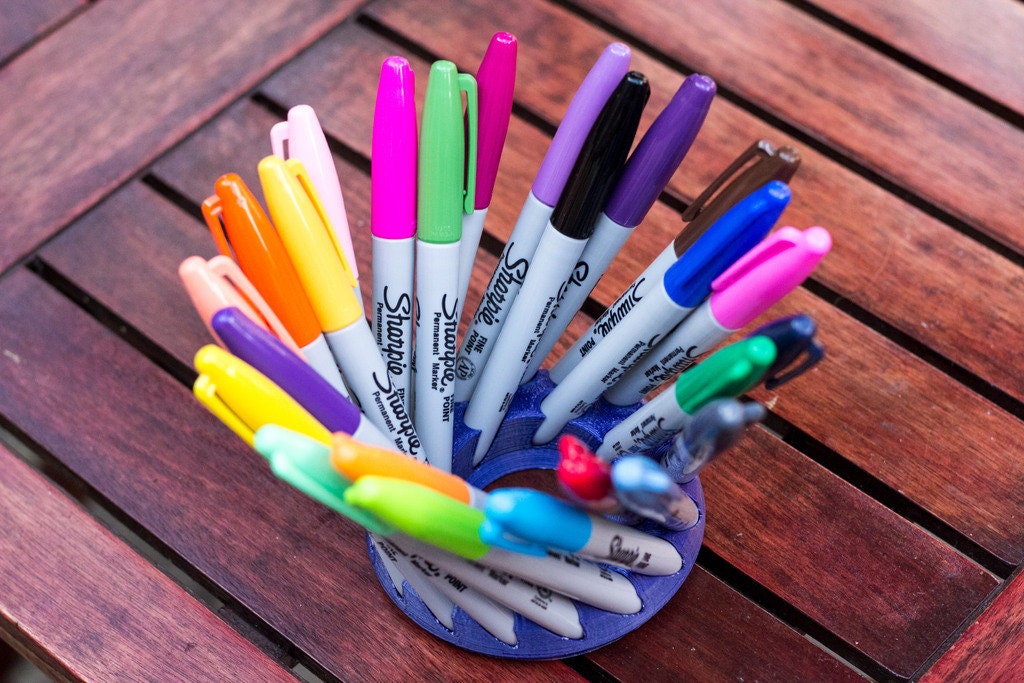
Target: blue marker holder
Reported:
point(513, 451)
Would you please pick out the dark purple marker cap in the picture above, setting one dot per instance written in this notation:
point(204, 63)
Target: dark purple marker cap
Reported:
point(586, 104)
point(661, 151)
point(280, 365)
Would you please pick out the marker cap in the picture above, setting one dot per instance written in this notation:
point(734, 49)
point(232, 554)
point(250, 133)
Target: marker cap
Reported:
point(583, 110)
point(517, 513)
point(422, 513)
point(443, 161)
point(496, 80)
point(660, 151)
point(793, 336)
point(688, 280)
point(727, 373)
point(393, 169)
point(767, 273)
point(600, 160)
point(581, 471)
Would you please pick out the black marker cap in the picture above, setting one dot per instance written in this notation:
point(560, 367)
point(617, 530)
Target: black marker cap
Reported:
point(601, 158)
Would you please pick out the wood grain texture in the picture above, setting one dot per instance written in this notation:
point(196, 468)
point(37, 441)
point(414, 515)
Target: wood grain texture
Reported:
point(23, 22)
point(132, 81)
point(837, 405)
point(882, 115)
point(64, 581)
point(882, 245)
point(143, 442)
point(990, 649)
point(978, 43)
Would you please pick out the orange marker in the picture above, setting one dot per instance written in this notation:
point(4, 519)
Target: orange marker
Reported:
point(355, 459)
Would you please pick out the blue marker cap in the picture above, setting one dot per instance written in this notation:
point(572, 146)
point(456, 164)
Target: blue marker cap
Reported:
point(793, 336)
point(528, 521)
point(688, 280)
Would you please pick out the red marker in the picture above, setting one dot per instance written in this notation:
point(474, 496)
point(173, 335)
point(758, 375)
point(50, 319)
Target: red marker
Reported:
point(585, 478)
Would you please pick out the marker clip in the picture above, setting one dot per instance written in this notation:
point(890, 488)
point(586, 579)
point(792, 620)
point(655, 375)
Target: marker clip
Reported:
point(213, 213)
point(793, 337)
point(296, 167)
point(468, 85)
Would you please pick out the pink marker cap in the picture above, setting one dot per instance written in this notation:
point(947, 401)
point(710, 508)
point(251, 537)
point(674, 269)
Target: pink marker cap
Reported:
point(496, 81)
point(766, 273)
point(393, 165)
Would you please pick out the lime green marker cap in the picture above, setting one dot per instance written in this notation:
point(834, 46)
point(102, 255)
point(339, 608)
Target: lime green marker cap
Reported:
point(306, 464)
point(422, 513)
point(727, 373)
point(443, 159)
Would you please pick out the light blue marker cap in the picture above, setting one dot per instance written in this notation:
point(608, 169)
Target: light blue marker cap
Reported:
point(527, 521)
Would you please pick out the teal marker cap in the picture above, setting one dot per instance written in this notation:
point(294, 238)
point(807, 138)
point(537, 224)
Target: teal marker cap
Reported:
point(305, 463)
point(447, 170)
point(422, 513)
point(727, 373)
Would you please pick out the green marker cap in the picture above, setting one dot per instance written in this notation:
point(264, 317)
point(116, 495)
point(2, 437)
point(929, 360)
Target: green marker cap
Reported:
point(305, 463)
point(422, 513)
point(446, 182)
point(727, 373)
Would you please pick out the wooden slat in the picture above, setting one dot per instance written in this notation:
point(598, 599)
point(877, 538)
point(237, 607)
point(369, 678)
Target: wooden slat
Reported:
point(977, 43)
point(990, 649)
point(25, 21)
point(882, 245)
point(131, 81)
point(928, 472)
point(883, 115)
point(84, 606)
point(141, 440)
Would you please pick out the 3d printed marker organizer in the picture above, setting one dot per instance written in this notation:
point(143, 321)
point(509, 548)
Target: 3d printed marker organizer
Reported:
point(513, 451)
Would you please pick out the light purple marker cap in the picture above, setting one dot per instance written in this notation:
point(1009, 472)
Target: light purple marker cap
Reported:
point(660, 151)
point(586, 104)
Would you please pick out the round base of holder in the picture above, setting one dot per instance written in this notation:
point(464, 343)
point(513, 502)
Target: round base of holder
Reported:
point(513, 451)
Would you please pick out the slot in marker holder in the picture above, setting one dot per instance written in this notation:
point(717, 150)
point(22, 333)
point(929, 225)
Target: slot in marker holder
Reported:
point(513, 451)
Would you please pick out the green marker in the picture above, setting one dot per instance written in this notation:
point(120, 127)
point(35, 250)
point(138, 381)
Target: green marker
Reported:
point(724, 374)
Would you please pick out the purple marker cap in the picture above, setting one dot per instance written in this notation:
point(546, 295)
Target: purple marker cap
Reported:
point(661, 151)
point(586, 104)
point(263, 351)
point(495, 81)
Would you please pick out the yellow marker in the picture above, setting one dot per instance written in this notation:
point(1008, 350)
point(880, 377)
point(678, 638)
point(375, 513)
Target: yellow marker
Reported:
point(245, 400)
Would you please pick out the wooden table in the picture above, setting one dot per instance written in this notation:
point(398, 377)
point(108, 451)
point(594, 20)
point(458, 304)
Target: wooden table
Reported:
point(859, 532)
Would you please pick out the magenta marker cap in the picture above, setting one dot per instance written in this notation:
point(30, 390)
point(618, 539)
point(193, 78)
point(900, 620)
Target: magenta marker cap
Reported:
point(766, 273)
point(586, 104)
point(393, 165)
point(495, 82)
point(660, 151)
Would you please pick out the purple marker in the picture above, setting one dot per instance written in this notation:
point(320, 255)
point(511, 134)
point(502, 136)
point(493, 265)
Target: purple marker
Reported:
point(644, 177)
point(547, 188)
point(281, 366)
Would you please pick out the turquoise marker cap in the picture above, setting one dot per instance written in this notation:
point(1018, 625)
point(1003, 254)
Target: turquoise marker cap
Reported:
point(306, 464)
point(727, 373)
point(528, 521)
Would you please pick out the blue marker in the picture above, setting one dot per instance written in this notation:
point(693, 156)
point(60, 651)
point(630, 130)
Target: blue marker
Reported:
point(643, 487)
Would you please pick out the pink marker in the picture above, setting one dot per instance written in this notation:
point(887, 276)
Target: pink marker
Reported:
point(747, 289)
point(393, 218)
point(496, 80)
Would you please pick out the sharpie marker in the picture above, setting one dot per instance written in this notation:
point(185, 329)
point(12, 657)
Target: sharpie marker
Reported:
point(746, 290)
point(434, 518)
point(218, 283)
point(442, 167)
point(683, 287)
point(393, 219)
point(356, 460)
point(727, 373)
point(547, 609)
point(559, 249)
point(323, 271)
point(514, 262)
point(584, 478)
point(242, 229)
point(496, 80)
point(271, 358)
point(765, 165)
point(531, 521)
point(647, 490)
point(793, 337)
point(713, 430)
point(645, 175)
point(301, 138)
point(245, 400)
